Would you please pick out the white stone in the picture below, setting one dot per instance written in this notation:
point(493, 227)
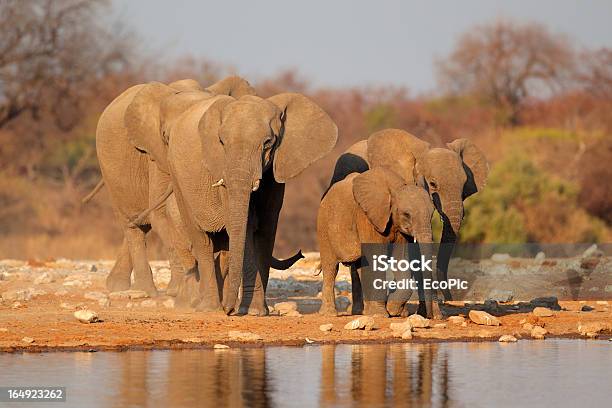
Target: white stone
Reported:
point(418, 321)
point(128, 294)
point(483, 318)
point(363, 322)
point(86, 316)
point(507, 338)
point(500, 257)
point(46, 277)
point(538, 332)
point(284, 308)
point(220, 346)
point(148, 303)
point(542, 312)
point(456, 319)
point(27, 340)
point(326, 327)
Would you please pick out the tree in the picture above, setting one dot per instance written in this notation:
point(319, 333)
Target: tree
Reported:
point(48, 50)
point(505, 63)
point(596, 72)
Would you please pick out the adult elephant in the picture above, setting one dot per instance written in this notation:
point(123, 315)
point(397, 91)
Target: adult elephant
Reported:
point(228, 158)
point(450, 175)
point(139, 184)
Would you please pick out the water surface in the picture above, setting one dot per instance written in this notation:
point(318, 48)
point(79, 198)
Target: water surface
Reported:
point(528, 373)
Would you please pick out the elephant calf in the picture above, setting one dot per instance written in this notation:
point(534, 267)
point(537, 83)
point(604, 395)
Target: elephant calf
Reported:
point(373, 207)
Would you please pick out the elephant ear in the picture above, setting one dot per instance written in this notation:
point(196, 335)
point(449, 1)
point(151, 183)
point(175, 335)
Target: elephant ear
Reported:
point(474, 163)
point(397, 149)
point(372, 194)
point(307, 134)
point(142, 121)
point(234, 86)
point(213, 155)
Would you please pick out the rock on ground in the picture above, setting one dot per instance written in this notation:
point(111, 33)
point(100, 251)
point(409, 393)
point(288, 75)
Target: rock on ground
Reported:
point(538, 332)
point(483, 318)
point(86, 316)
point(128, 294)
point(326, 327)
point(27, 340)
point(542, 312)
point(220, 347)
point(507, 338)
point(418, 321)
point(148, 303)
point(592, 327)
point(364, 322)
point(456, 319)
point(283, 308)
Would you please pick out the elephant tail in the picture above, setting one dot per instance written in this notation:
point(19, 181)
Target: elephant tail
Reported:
point(93, 192)
point(284, 264)
point(143, 215)
point(318, 269)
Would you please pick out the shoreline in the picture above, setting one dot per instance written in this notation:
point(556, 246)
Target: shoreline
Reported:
point(38, 302)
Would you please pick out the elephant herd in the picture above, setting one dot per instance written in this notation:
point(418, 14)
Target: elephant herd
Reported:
point(206, 168)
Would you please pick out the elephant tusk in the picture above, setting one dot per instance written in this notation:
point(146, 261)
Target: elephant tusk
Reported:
point(219, 183)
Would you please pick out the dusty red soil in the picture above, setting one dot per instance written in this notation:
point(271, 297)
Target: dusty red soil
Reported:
point(46, 315)
point(53, 328)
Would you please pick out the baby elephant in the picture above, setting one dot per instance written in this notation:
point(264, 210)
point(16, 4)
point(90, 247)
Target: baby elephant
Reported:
point(373, 207)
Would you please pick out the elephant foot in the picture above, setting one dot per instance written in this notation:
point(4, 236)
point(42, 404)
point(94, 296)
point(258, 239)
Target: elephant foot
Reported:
point(188, 292)
point(436, 312)
point(173, 286)
point(375, 310)
point(117, 283)
point(145, 286)
point(395, 308)
point(253, 311)
point(328, 310)
point(209, 306)
point(447, 295)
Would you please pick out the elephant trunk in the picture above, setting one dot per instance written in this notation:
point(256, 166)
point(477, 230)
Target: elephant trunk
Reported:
point(425, 240)
point(284, 264)
point(454, 212)
point(239, 194)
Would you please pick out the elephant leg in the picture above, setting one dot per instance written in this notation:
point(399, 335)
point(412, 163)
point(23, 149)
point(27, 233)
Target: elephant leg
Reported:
point(208, 287)
point(447, 245)
point(397, 299)
point(328, 298)
point(267, 202)
point(119, 277)
point(253, 300)
point(143, 277)
point(373, 307)
point(357, 291)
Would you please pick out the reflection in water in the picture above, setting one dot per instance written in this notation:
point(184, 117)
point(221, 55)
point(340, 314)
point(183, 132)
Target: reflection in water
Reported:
point(554, 372)
point(394, 375)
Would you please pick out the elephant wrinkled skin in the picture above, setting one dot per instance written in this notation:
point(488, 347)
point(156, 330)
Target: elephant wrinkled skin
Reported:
point(225, 155)
point(449, 175)
point(377, 206)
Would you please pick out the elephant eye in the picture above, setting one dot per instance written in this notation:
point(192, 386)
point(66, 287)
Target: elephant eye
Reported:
point(433, 184)
point(268, 142)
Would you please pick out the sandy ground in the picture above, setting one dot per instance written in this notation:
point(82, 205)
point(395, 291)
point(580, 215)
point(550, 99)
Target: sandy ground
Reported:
point(39, 300)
